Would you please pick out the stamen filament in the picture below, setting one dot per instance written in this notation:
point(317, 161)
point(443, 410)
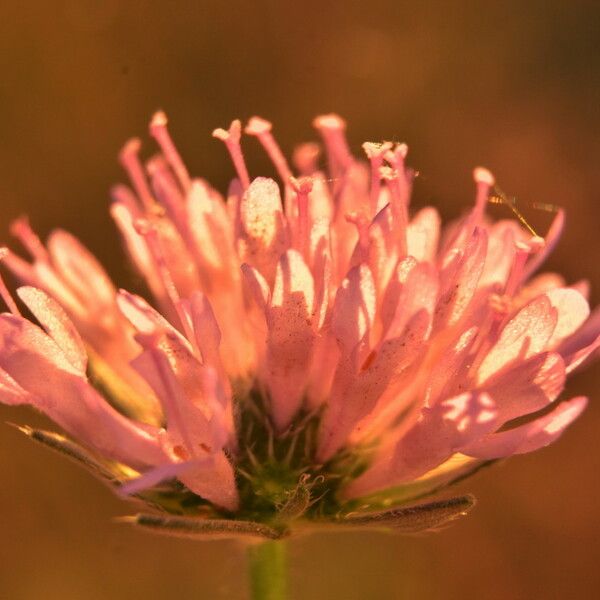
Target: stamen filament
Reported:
point(148, 231)
point(4, 293)
point(398, 206)
point(159, 131)
point(231, 139)
point(332, 127)
point(22, 230)
point(375, 153)
point(302, 187)
point(261, 129)
point(129, 158)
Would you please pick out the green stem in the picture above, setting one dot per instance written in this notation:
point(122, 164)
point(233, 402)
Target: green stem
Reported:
point(268, 572)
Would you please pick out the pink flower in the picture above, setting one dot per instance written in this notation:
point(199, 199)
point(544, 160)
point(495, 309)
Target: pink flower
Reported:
point(317, 348)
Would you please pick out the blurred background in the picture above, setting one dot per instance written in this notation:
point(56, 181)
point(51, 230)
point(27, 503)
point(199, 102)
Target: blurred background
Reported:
point(511, 85)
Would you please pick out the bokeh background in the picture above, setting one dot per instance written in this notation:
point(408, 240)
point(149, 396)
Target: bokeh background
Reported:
point(511, 85)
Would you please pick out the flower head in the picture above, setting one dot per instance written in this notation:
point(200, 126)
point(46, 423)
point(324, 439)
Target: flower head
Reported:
point(316, 352)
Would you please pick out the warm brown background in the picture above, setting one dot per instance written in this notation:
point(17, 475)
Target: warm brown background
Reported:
point(512, 85)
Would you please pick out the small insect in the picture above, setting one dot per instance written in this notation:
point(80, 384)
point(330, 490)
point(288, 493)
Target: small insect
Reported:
point(499, 197)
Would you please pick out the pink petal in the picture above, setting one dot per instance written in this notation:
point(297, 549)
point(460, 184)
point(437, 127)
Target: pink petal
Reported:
point(212, 234)
point(11, 392)
point(54, 319)
point(584, 336)
point(184, 371)
point(391, 299)
point(322, 278)
point(291, 336)
point(215, 482)
point(141, 315)
point(137, 249)
point(326, 356)
point(354, 308)
point(206, 329)
point(572, 311)
point(445, 372)
point(459, 281)
point(419, 293)
point(158, 475)
point(531, 436)
point(349, 193)
point(538, 285)
point(527, 387)
point(263, 238)
point(319, 240)
point(582, 286)
point(20, 268)
point(232, 205)
point(193, 432)
point(551, 240)
point(526, 334)
point(320, 202)
point(500, 253)
point(423, 234)
point(80, 269)
point(257, 285)
point(355, 395)
point(174, 249)
point(45, 277)
point(38, 366)
point(383, 249)
point(440, 432)
point(383, 374)
point(575, 357)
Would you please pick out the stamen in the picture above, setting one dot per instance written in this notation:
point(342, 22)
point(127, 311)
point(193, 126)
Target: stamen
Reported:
point(4, 293)
point(501, 304)
point(396, 158)
point(523, 251)
point(123, 195)
point(165, 187)
point(173, 397)
point(261, 129)
point(398, 204)
point(362, 223)
point(550, 240)
point(231, 138)
point(306, 158)
point(258, 287)
point(150, 234)
point(322, 275)
point(22, 230)
point(302, 187)
point(159, 131)
point(375, 153)
point(130, 160)
point(484, 181)
point(20, 268)
point(332, 128)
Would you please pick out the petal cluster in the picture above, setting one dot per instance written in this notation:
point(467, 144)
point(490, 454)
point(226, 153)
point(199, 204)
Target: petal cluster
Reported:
point(323, 298)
